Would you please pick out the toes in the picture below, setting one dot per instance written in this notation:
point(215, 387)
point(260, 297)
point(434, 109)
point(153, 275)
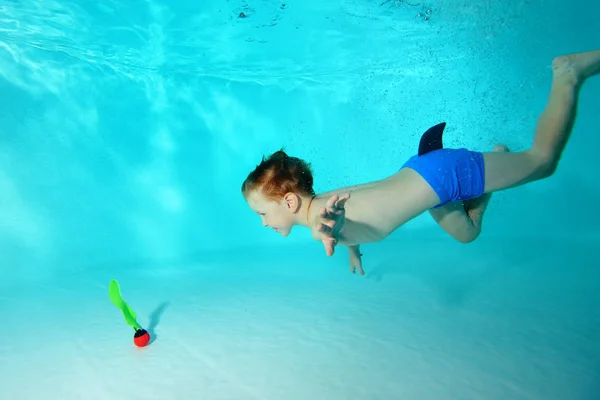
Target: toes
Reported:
point(500, 148)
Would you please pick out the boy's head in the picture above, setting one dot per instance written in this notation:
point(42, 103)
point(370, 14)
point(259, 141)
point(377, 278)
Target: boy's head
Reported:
point(277, 188)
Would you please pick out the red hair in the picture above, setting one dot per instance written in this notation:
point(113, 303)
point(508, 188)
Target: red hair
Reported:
point(279, 174)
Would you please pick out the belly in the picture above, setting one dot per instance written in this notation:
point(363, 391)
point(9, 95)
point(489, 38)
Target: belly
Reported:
point(381, 208)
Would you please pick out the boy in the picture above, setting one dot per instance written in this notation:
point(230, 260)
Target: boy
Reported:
point(453, 184)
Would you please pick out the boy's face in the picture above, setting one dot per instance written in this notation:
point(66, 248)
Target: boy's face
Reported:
point(278, 215)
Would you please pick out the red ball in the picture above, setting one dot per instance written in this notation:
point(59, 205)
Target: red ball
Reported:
point(141, 338)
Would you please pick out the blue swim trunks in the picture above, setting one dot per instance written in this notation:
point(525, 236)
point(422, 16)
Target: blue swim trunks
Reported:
point(454, 174)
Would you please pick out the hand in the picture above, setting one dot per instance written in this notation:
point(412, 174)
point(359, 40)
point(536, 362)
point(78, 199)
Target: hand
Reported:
point(355, 261)
point(333, 218)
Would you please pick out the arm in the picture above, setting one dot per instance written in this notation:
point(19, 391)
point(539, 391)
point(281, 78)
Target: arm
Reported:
point(332, 227)
point(326, 225)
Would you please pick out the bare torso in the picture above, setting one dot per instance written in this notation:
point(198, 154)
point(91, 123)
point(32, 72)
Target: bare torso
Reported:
point(376, 209)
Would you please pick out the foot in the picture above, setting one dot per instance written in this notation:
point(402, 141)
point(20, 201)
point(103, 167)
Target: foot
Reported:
point(576, 68)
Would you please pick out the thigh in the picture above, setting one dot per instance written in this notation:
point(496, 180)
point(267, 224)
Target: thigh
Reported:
point(507, 170)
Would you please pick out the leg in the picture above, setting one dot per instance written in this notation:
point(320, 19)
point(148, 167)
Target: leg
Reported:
point(462, 220)
point(503, 171)
point(453, 218)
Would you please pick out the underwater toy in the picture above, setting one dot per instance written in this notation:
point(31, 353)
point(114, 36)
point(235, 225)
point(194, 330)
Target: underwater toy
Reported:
point(141, 337)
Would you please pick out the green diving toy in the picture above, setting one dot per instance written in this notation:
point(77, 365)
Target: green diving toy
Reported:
point(141, 337)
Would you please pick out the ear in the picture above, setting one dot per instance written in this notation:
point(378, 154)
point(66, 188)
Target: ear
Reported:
point(292, 201)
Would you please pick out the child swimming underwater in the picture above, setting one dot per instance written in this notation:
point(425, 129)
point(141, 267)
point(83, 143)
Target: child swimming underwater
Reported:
point(453, 184)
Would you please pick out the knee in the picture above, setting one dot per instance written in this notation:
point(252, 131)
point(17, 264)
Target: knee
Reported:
point(545, 165)
point(547, 168)
point(467, 239)
point(467, 236)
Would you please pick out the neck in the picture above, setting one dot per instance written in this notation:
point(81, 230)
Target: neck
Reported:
point(304, 213)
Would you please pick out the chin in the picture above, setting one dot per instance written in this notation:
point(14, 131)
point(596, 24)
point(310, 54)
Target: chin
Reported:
point(285, 232)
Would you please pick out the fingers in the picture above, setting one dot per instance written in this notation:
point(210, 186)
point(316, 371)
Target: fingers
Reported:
point(360, 270)
point(336, 202)
point(325, 229)
point(330, 205)
point(323, 213)
point(331, 214)
point(329, 245)
point(341, 202)
point(356, 265)
point(327, 217)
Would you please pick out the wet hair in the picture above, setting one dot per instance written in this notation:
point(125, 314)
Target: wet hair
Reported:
point(279, 174)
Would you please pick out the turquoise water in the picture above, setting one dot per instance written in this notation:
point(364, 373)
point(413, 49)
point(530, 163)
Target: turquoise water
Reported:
point(127, 127)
